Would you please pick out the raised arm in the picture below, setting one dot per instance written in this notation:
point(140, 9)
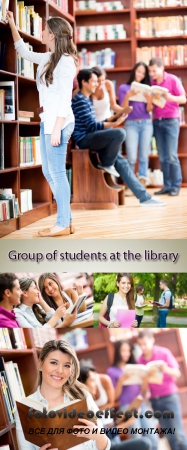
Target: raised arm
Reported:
point(113, 105)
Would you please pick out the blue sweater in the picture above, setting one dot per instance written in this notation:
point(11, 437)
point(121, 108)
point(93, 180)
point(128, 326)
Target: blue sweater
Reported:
point(85, 119)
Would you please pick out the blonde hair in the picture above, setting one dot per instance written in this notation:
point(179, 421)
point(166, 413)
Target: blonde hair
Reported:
point(64, 45)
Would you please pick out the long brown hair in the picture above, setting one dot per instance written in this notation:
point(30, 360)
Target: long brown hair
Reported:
point(49, 300)
point(130, 294)
point(40, 314)
point(72, 387)
point(64, 45)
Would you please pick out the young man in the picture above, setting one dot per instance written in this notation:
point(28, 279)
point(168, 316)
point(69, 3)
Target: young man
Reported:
point(104, 137)
point(164, 304)
point(167, 126)
point(10, 294)
point(164, 397)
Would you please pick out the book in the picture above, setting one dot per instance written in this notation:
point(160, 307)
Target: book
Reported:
point(25, 113)
point(78, 303)
point(137, 372)
point(142, 306)
point(156, 303)
point(117, 116)
point(60, 421)
point(8, 87)
point(125, 317)
point(156, 92)
point(81, 317)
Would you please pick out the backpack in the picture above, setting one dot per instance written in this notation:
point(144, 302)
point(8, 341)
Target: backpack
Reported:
point(171, 302)
point(110, 300)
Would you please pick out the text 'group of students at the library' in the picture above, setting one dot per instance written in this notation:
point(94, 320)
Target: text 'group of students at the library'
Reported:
point(91, 122)
point(142, 378)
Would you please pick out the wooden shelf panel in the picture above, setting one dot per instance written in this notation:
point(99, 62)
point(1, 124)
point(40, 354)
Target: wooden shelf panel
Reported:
point(57, 10)
point(6, 74)
point(174, 9)
point(34, 166)
point(119, 69)
point(28, 123)
point(31, 39)
point(25, 81)
point(9, 169)
point(15, 353)
point(39, 211)
point(92, 348)
point(101, 13)
point(159, 38)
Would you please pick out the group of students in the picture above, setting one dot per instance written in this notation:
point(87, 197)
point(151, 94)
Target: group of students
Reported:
point(55, 74)
point(126, 299)
point(26, 304)
point(61, 378)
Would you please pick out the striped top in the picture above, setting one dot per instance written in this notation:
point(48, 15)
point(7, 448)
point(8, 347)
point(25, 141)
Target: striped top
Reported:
point(85, 119)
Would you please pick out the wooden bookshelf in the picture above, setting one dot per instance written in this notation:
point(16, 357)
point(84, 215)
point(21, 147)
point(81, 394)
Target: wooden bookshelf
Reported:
point(126, 54)
point(26, 98)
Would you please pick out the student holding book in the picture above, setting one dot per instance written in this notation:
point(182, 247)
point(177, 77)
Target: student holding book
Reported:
point(55, 74)
point(125, 394)
point(34, 312)
point(139, 302)
point(122, 300)
point(55, 296)
point(164, 396)
point(138, 125)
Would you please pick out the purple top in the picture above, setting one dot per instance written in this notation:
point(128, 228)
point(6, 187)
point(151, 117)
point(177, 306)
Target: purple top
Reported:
point(129, 392)
point(174, 86)
point(139, 108)
point(168, 386)
point(8, 319)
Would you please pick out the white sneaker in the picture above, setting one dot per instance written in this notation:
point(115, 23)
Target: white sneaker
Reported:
point(109, 169)
point(153, 202)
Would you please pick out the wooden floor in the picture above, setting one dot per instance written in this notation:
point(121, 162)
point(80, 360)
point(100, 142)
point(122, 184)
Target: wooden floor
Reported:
point(127, 222)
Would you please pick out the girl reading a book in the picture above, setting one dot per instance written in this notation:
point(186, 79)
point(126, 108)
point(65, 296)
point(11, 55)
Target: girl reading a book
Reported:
point(104, 98)
point(122, 300)
point(34, 312)
point(55, 74)
point(58, 385)
point(125, 392)
point(138, 125)
point(55, 296)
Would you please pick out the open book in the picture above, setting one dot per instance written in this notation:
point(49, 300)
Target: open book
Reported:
point(141, 306)
point(137, 372)
point(156, 303)
point(116, 116)
point(155, 91)
point(77, 304)
point(60, 422)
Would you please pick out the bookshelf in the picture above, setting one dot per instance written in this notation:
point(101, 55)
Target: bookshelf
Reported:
point(100, 351)
point(26, 99)
point(126, 54)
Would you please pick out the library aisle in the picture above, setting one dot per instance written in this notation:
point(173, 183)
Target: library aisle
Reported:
point(129, 221)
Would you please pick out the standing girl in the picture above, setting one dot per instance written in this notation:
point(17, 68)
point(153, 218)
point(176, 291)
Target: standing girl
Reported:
point(138, 125)
point(55, 74)
point(104, 98)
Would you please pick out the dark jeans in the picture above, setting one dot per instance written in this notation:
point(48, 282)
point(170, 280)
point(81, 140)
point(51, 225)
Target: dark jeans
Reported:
point(139, 319)
point(141, 444)
point(178, 440)
point(166, 132)
point(162, 316)
point(107, 144)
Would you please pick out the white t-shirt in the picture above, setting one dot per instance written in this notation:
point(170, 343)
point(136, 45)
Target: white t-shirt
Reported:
point(118, 303)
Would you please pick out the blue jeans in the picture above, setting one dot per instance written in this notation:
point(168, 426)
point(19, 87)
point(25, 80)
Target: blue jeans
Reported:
point(107, 143)
point(166, 132)
point(178, 440)
point(162, 316)
point(54, 170)
point(143, 422)
point(138, 134)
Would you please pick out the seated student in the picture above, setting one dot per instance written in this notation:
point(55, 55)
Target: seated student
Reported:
point(10, 295)
point(164, 397)
point(99, 386)
point(89, 133)
point(123, 299)
point(139, 301)
point(104, 99)
point(33, 312)
point(52, 292)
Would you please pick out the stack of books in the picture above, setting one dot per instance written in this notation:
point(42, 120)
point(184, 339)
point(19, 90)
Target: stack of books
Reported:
point(104, 58)
point(25, 67)
point(9, 207)
point(62, 4)
point(100, 32)
point(172, 55)
point(28, 20)
point(25, 116)
point(161, 26)
point(11, 385)
point(93, 5)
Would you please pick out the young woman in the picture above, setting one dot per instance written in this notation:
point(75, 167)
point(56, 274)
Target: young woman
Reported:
point(57, 384)
point(33, 312)
point(52, 292)
point(55, 74)
point(123, 299)
point(104, 99)
point(125, 394)
point(138, 125)
point(99, 386)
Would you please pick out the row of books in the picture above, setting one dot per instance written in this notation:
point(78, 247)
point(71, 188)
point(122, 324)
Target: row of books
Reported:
point(62, 4)
point(4, 5)
point(28, 20)
point(158, 3)
point(172, 55)
point(104, 58)
point(12, 338)
point(100, 32)
point(161, 26)
point(9, 207)
point(25, 200)
point(29, 150)
point(11, 385)
point(93, 5)
point(25, 67)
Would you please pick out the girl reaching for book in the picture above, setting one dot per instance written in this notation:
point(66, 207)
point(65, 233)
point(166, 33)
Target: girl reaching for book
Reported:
point(58, 385)
point(55, 74)
point(55, 296)
point(34, 312)
point(123, 299)
point(138, 125)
